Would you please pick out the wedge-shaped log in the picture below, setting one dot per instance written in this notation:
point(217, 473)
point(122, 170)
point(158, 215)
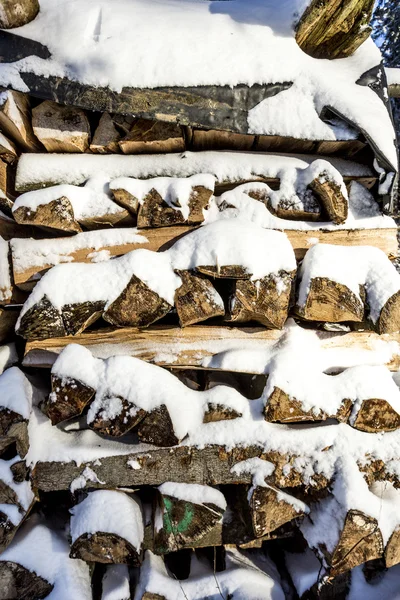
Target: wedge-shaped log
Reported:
point(61, 128)
point(212, 139)
point(282, 408)
point(15, 13)
point(335, 281)
point(126, 419)
point(19, 583)
point(266, 301)
point(8, 151)
point(271, 508)
point(107, 527)
point(197, 300)
point(157, 428)
point(115, 583)
point(148, 137)
point(15, 120)
point(330, 29)
point(184, 514)
point(110, 130)
point(15, 407)
point(68, 399)
point(6, 193)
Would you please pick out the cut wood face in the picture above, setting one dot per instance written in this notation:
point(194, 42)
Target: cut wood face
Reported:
point(218, 412)
point(389, 320)
point(392, 550)
point(334, 203)
point(106, 548)
point(153, 137)
point(61, 128)
point(41, 321)
point(77, 317)
point(127, 419)
point(197, 299)
point(269, 511)
point(16, 13)
point(157, 428)
point(376, 415)
point(57, 214)
point(331, 302)
point(17, 583)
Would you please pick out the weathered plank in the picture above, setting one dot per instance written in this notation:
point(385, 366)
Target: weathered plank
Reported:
point(195, 346)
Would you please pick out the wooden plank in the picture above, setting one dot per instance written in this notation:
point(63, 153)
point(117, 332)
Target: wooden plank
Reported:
point(193, 347)
point(162, 238)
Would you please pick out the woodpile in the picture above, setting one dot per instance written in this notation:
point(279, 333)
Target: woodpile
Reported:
point(200, 329)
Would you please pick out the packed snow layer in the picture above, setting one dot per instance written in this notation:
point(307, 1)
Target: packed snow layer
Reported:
point(16, 392)
point(246, 577)
point(28, 253)
point(38, 170)
point(175, 191)
point(230, 242)
point(45, 551)
point(363, 213)
point(192, 492)
point(116, 583)
point(92, 200)
point(351, 266)
point(108, 511)
point(248, 42)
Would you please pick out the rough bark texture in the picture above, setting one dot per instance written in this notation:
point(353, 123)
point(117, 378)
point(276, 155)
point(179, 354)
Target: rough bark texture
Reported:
point(68, 399)
point(268, 512)
point(389, 319)
point(57, 214)
point(184, 523)
point(136, 306)
point(219, 412)
point(197, 299)
point(266, 301)
point(157, 428)
point(16, 13)
point(376, 415)
point(334, 28)
point(335, 204)
point(281, 408)
point(156, 212)
point(41, 321)
point(120, 424)
point(127, 200)
point(212, 139)
point(77, 317)
point(148, 137)
point(106, 548)
point(331, 302)
point(61, 128)
point(17, 583)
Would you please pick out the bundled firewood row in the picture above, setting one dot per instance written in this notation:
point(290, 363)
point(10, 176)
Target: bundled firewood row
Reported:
point(143, 287)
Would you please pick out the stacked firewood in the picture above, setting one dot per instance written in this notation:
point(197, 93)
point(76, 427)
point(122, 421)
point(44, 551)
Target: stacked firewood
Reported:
point(185, 460)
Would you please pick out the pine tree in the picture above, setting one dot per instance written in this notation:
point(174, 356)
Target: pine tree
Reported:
point(386, 33)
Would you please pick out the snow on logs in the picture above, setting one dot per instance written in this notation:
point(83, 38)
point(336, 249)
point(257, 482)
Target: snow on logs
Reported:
point(61, 128)
point(107, 527)
point(143, 286)
point(15, 119)
point(338, 283)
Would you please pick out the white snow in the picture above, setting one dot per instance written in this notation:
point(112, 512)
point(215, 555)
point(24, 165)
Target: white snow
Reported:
point(29, 253)
point(192, 492)
point(363, 213)
point(247, 577)
point(79, 483)
point(259, 469)
point(175, 191)
point(46, 552)
point(92, 200)
point(248, 42)
point(230, 242)
point(34, 170)
point(16, 392)
point(109, 511)
point(304, 569)
point(393, 75)
point(116, 583)
point(351, 266)
point(8, 356)
point(5, 275)
point(22, 490)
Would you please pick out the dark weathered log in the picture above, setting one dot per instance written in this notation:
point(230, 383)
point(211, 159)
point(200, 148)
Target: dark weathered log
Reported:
point(15, 120)
point(17, 583)
point(332, 199)
point(219, 412)
point(57, 214)
point(6, 193)
point(148, 137)
point(137, 306)
point(155, 212)
point(376, 415)
point(119, 425)
point(106, 548)
point(331, 302)
point(68, 399)
point(77, 317)
point(360, 541)
point(333, 29)
point(157, 428)
point(270, 509)
point(281, 408)
point(197, 299)
point(8, 151)
point(180, 523)
point(15, 13)
point(266, 301)
point(61, 128)
point(41, 321)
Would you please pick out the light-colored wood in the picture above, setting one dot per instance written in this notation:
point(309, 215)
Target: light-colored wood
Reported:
point(61, 128)
point(8, 151)
point(106, 136)
point(15, 120)
point(194, 346)
point(153, 137)
point(15, 13)
point(221, 140)
point(161, 238)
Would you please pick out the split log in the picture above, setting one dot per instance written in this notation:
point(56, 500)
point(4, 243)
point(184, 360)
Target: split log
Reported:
point(392, 550)
point(155, 212)
point(8, 319)
point(136, 306)
point(331, 302)
point(184, 514)
point(16, 13)
point(197, 299)
point(389, 318)
point(6, 287)
point(271, 508)
point(68, 399)
point(331, 197)
point(77, 317)
point(15, 120)
point(18, 583)
point(110, 130)
point(157, 428)
point(107, 527)
point(266, 301)
point(212, 139)
point(6, 198)
point(147, 137)
point(8, 151)
point(41, 321)
point(116, 584)
point(57, 214)
point(219, 412)
point(61, 128)
point(15, 407)
point(282, 408)
point(330, 30)
point(127, 418)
